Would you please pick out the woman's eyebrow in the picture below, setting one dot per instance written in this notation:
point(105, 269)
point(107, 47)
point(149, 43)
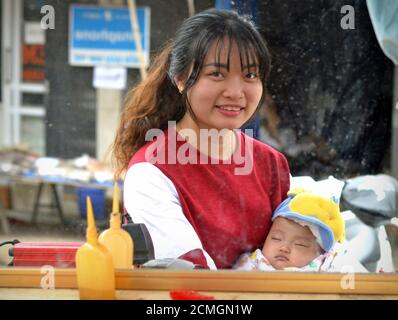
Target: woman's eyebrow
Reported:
point(216, 64)
point(251, 65)
point(225, 66)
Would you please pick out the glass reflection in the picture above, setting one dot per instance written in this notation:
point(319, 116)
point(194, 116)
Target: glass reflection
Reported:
point(324, 111)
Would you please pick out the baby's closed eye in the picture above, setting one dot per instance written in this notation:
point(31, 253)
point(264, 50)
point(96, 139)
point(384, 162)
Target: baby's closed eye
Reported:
point(302, 244)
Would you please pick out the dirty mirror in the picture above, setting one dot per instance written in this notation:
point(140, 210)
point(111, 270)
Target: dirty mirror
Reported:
point(313, 105)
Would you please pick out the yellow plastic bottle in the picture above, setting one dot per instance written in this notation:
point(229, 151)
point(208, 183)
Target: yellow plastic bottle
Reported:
point(94, 265)
point(115, 239)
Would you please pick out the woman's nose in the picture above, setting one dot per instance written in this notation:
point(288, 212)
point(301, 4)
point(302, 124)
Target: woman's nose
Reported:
point(234, 89)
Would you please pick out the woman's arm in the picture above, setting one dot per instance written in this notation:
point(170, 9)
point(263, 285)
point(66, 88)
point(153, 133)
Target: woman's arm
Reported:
point(151, 198)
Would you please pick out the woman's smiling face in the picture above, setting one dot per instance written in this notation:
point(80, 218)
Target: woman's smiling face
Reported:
point(227, 91)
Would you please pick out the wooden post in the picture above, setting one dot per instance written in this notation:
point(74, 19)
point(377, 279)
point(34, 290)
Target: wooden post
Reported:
point(137, 36)
point(109, 104)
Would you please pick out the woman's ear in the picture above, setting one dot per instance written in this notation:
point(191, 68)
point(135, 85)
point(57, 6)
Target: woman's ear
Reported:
point(179, 83)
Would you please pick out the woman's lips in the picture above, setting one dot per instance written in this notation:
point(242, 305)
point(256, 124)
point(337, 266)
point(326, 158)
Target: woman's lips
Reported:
point(230, 110)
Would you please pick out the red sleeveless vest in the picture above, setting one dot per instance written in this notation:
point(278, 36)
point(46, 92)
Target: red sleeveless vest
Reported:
point(230, 213)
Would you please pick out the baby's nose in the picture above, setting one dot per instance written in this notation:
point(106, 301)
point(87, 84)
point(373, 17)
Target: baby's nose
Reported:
point(284, 248)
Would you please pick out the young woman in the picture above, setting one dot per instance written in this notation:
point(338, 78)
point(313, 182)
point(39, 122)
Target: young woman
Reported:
point(205, 190)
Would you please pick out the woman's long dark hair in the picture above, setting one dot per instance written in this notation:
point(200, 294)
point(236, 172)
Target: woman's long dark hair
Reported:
point(156, 100)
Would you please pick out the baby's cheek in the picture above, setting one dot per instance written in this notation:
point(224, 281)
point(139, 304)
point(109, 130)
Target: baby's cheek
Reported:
point(266, 249)
point(306, 258)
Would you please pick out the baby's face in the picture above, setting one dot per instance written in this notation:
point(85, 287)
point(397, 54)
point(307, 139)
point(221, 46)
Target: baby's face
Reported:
point(289, 244)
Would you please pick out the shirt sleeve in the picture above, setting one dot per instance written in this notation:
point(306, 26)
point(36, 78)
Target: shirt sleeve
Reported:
point(150, 197)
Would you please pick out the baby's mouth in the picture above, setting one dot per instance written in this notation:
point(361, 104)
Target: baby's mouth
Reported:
point(281, 258)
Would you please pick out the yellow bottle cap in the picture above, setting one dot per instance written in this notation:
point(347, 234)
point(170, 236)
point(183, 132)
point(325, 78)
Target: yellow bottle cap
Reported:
point(115, 220)
point(91, 234)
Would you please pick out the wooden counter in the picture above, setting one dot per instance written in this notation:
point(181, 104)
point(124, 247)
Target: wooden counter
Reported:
point(26, 283)
point(73, 294)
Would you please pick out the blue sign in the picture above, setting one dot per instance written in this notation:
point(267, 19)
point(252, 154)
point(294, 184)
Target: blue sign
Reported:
point(101, 36)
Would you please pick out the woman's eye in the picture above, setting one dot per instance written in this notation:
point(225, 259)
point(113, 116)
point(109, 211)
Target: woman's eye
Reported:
point(252, 75)
point(216, 74)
